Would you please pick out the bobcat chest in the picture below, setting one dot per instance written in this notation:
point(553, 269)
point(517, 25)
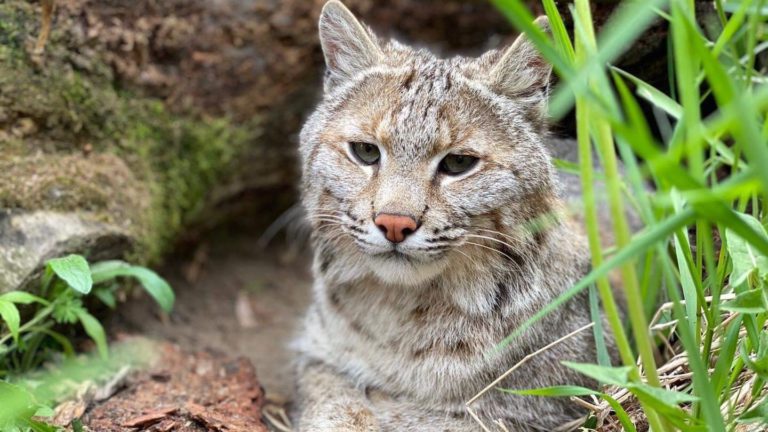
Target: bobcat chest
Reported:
point(396, 341)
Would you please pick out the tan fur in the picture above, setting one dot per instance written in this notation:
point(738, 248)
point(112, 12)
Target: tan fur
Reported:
point(398, 342)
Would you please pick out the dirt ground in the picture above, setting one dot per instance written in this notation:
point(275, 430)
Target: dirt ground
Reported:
point(233, 297)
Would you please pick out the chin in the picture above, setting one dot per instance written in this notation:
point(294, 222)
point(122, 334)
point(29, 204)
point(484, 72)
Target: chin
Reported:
point(402, 270)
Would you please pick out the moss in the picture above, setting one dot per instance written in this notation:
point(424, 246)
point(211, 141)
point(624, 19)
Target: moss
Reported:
point(69, 139)
point(184, 158)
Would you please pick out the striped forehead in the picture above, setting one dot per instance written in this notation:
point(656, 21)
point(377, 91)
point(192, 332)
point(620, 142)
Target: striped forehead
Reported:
point(414, 110)
point(418, 121)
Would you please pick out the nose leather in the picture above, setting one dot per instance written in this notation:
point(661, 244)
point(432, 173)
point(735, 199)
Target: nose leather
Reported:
point(395, 227)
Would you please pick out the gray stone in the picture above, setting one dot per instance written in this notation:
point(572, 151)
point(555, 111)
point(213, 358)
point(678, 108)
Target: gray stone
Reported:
point(29, 239)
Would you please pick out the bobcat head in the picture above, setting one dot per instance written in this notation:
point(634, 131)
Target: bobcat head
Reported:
point(413, 162)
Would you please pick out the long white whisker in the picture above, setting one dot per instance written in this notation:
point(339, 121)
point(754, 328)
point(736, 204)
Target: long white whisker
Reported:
point(510, 237)
point(490, 238)
point(490, 248)
point(471, 259)
point(313, 217)
point(331, 221)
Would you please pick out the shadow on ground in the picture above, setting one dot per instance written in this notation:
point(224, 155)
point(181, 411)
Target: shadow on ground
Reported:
point(234, 298)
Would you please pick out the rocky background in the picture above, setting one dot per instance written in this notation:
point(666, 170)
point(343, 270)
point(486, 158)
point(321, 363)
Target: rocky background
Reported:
point(146, 122)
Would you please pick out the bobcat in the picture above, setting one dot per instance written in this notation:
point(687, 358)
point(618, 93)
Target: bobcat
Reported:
point(437, 230)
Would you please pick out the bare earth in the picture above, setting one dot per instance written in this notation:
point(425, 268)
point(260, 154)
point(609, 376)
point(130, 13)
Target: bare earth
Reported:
point(235, 298)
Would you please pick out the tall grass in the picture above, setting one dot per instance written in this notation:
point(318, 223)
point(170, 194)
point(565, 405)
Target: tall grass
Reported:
point(695, 278)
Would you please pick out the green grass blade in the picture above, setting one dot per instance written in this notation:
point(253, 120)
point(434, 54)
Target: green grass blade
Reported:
point(642, 242)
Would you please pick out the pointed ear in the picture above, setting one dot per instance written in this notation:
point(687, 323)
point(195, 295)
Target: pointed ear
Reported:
point(522, 71)
point(348, 46)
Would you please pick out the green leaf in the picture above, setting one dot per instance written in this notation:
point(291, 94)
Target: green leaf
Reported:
point(103, 271)
point(559, 32)
point(44, 411)
point(10, 315)
point(66, 310)
point(664, 401)
point(20, 297)
point(758, 414)
point(73, 269)
point(625, 25)
point(37, 426)
point(561, 391)
point(760, 363)
point(94, 329)
point(605, 374)
point(744, 256)
point(684, 262)
point(654, 95)
point(554, 391)
point(77, 425)
point(726, 355)
point(668, 397)
point(16, 403)
point(156, 286)
point(566, 166)
point(624, 419)
point(748, 302)
point(62, 340)
point(603, 358)
point(106, 296)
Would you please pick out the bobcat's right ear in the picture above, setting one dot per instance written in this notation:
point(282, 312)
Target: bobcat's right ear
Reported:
point(521, 70)
point(349, 48)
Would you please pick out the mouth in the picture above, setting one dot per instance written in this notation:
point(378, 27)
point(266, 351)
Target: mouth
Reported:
point(401, 267)
point(394, 254)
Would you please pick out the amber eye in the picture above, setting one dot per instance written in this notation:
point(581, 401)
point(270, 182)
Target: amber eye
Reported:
point(366, 153)
point(455, 164)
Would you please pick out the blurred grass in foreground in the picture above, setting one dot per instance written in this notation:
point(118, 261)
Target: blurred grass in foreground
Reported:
point(696, 277)
point(27, 401)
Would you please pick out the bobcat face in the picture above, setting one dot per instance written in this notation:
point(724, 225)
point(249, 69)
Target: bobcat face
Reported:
point(411, 161)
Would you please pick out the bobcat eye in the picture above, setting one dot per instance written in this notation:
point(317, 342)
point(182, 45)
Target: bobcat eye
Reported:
point(455, 164)
point(366, 153)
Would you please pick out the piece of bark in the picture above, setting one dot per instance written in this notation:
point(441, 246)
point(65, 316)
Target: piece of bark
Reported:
point(199, 391)
point(150, 418)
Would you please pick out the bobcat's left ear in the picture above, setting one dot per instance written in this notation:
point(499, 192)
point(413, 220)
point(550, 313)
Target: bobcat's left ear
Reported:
point(349, 48)
point(522, 71)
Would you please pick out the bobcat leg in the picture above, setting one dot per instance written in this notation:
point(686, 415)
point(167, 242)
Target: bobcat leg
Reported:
point(330, 403)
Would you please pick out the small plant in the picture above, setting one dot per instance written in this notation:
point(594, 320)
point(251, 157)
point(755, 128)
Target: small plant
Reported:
point(65, 283)
point(58, 305)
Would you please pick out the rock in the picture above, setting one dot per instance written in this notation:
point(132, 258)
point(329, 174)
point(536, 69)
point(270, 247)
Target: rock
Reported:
point(29, 239)
point(55, 205)
point(72, 142)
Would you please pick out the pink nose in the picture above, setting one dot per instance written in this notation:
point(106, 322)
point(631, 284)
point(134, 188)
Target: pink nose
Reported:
point(395, 227)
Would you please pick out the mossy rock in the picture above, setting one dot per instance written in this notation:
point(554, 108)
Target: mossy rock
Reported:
point(76, 148)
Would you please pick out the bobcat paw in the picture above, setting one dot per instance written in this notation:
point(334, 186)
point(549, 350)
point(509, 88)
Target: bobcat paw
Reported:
point(345, 420)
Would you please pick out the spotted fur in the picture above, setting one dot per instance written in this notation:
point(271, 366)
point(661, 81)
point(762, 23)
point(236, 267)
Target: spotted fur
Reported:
point(399, 337)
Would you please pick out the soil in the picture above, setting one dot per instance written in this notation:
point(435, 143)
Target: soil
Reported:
point(233, 297)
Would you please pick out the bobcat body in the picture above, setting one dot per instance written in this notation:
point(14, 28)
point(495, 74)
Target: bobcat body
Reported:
point(437, 230)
